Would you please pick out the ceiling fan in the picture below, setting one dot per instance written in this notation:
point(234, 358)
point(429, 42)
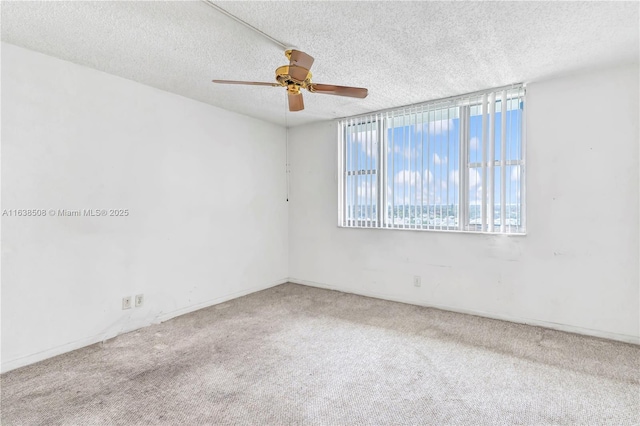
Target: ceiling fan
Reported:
point(296, 76)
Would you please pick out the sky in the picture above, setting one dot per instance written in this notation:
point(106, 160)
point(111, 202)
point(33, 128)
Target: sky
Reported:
point(424, 157)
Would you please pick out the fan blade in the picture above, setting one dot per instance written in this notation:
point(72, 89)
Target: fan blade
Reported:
point(250, 83)
point(295, 102)
point(301, 59)
point(330, 89)
point(298, 73)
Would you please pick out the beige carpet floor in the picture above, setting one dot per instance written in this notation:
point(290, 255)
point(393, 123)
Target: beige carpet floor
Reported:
point(299, 355)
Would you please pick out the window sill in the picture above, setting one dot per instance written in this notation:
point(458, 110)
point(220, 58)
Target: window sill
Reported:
point(444, 231)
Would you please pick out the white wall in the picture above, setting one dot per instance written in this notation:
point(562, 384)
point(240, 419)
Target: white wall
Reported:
point(205, 189)
point(577, 269)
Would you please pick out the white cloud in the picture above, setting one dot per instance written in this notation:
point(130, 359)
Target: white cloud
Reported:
point(427, 188)
point(428, 177)
point(365, 136)
point(368, 141)
point(367, 189)
point(405, 176)
point(408, 151)
point(475, 179)
point(474, 143)
point(403, 193)
point(397, 148)
point(437, 127)
point(475, 187)
point(454, 177)
point(515, 173)
point(439, 160)
point(475, 197)
point(431, 196)
point(431, 189)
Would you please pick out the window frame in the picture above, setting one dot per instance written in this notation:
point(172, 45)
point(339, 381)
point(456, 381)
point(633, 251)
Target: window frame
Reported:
point(385, 120)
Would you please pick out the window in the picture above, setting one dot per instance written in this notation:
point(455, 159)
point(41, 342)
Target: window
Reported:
point(450, 165)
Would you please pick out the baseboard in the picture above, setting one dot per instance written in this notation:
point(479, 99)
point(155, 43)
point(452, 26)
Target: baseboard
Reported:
point(528, 321)
point(87, 341)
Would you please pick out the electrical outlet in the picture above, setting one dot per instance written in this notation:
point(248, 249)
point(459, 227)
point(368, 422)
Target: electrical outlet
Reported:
point(417, 281)
point(126, 302)
point(139, 300)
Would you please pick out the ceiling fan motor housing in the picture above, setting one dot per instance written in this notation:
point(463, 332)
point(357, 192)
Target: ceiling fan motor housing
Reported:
point(290, 75)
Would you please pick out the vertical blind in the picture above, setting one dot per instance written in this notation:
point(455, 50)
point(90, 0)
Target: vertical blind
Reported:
point(455, 164)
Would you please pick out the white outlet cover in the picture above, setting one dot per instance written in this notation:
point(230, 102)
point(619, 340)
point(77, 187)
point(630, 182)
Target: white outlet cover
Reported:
point(139, 300)
point(126, 302)
point(417, 281)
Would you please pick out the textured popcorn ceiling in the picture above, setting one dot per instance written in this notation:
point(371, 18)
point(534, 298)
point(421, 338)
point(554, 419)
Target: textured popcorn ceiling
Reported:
point(403, 52)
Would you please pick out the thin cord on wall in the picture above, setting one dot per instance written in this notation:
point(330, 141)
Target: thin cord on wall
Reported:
point(246, 24)
point(286, 144)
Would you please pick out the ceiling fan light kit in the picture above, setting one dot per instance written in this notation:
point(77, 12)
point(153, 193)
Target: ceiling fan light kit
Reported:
point(296, 76)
